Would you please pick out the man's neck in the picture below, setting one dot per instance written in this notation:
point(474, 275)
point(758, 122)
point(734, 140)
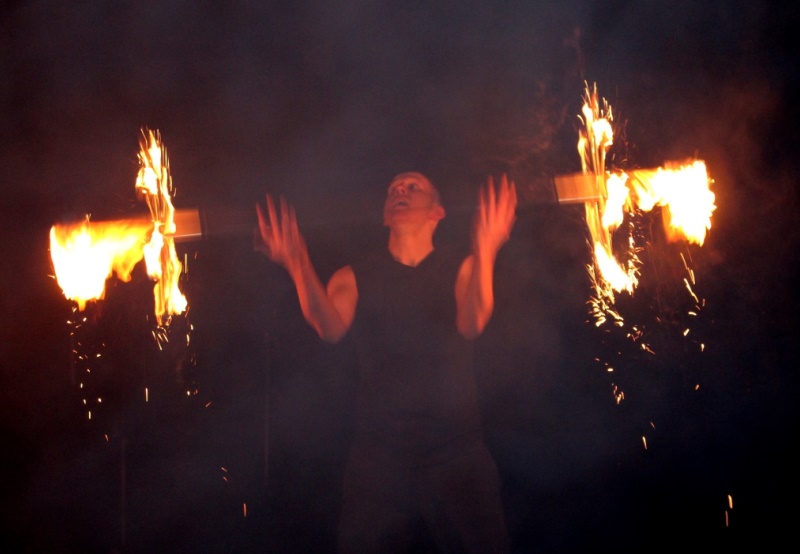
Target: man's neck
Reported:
point(410, 249)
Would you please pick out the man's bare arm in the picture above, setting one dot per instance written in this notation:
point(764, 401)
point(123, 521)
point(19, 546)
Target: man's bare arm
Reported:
point(329, 311)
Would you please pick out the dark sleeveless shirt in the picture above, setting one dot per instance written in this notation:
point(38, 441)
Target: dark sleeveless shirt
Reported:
point(417, 389)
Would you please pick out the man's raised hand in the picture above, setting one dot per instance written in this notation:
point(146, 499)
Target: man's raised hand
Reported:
point(495, 218)
point(281, 240)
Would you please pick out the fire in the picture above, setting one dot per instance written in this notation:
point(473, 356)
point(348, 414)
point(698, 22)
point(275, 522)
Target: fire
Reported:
point(681, 190)
point(86, 254)
point(154, 182)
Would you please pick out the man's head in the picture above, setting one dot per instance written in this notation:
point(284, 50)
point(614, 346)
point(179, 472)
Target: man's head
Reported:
point(412, 197)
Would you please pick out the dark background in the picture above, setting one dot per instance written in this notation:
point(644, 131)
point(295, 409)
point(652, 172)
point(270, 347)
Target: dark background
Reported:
point(324, 102)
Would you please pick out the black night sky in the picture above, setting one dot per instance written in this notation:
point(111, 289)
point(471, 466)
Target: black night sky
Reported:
point(323, 102)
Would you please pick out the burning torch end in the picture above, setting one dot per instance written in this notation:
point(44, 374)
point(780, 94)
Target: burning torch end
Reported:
point(577, 188)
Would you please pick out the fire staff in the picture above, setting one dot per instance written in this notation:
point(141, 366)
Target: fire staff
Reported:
point(418, 452)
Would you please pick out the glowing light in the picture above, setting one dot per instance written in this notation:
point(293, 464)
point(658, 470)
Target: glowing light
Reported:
point(681, 190)
point(617, 393)
point(154, 182)
point(87, 254)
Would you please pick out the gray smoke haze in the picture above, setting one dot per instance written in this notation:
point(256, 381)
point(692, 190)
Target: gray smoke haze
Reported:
point(324, 102)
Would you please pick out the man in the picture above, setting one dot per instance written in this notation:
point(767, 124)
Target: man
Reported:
point(418, 452)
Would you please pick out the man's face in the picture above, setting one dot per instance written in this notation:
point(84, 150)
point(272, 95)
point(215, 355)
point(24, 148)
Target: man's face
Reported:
point(411, 195)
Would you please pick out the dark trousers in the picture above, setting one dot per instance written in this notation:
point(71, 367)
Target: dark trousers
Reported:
point(455, 493)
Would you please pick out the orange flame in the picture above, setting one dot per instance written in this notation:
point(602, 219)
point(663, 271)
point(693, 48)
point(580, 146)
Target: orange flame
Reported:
point(154, 182)
point(682, 190)
point(85, 255)
point(684, 193)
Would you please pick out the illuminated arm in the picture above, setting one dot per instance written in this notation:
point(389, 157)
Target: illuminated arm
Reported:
point(475, 283)
point(329, 310)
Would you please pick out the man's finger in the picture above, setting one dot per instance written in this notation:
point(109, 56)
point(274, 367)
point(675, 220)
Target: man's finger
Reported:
point(273, 216)
point(286, 221)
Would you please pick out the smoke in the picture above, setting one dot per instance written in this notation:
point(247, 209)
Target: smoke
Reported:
point(327, 101)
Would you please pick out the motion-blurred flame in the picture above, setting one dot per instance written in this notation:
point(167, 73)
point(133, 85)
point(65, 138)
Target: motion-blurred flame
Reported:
point(85, 255)
point(154, 182)
point(682, 190)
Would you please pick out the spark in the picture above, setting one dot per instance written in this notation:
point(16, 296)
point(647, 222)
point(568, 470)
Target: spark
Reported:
point(691, 292)
point(617, 393)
